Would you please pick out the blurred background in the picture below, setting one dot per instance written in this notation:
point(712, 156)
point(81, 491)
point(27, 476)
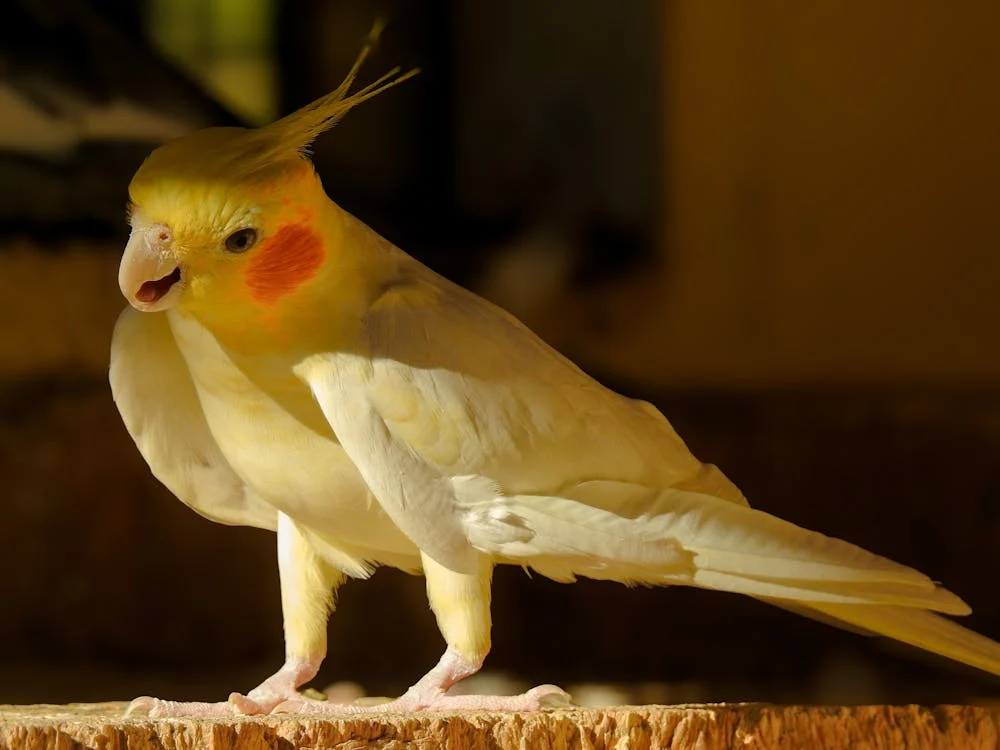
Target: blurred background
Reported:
point(778, 222)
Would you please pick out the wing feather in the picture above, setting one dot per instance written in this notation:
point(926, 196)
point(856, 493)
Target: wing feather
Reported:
point(153, 390)
point(477, 393)
point(470, 430)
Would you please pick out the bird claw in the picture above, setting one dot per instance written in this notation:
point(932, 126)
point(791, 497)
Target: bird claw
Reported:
point(247, 706)
point(256, 703)
point(551, 696)
point(154, 708)
point(537, 699)
point(141, 706)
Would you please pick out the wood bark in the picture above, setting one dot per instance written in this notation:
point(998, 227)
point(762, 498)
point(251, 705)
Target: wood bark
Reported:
point(701, 727)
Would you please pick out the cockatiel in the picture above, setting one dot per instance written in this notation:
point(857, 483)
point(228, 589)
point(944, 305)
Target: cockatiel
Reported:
point(285, 367)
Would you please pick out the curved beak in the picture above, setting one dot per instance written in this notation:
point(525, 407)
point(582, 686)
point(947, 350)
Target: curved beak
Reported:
point(149, 275)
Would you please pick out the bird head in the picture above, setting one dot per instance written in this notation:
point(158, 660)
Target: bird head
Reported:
point(229, 217)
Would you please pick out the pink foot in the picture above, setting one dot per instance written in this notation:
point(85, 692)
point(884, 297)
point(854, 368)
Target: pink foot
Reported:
point(276, 689)
point(543, 696)
point(430, 694)
point(155, 708)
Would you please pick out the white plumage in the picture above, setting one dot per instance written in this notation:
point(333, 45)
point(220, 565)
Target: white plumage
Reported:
point(285, 367)
point(444, 430)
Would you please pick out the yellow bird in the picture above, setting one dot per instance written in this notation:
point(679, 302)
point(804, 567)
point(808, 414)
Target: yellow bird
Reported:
point(285, 367)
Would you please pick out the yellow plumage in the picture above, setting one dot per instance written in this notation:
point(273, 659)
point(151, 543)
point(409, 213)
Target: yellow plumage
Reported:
point(286, 367)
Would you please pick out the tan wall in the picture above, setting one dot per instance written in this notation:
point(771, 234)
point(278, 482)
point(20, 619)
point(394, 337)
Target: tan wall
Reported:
point(831, 195)
point(59, 308)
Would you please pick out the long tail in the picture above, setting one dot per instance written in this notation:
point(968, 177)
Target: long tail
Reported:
point(916, 627)
point(676, 537)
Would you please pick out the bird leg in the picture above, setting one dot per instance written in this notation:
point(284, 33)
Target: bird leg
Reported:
point(278, 688)
point(307, 586)
point(430, 694)
point(461, 603)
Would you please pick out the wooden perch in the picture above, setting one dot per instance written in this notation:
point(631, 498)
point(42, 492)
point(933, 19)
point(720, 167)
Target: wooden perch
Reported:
point(707, 727)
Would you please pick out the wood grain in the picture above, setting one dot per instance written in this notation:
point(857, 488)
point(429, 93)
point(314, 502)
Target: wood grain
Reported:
point(702, 727)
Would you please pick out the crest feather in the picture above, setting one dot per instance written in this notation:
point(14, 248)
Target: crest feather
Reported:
point(229, 154)
point(295, 133)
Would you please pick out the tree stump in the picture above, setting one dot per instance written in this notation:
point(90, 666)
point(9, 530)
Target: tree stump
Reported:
point(701, 727)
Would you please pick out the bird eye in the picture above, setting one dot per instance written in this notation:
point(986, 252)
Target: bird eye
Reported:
point(241, 240)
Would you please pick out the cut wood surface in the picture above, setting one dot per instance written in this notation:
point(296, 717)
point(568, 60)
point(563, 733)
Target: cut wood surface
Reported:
point(701, 727)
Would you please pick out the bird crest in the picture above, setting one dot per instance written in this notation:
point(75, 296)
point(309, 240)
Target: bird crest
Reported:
point(296, 132)
point(225, 153)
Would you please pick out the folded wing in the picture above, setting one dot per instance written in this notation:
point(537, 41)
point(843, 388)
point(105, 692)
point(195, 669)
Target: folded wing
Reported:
point(153, 390)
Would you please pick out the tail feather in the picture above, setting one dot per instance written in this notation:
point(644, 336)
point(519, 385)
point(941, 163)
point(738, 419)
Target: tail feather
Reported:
point(813, 593)
point(919, 628)
point(803, 610)
point(686, 538)
point(678, 537)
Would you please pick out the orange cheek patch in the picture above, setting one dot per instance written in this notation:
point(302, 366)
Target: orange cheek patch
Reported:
point(284, 262)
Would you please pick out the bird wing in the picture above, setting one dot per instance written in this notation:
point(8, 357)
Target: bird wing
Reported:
point(153, 390)
point(473, 434)
point(475, 437)
point(445, 396)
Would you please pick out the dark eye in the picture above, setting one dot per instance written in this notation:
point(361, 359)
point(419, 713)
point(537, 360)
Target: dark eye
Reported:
point(241, 240)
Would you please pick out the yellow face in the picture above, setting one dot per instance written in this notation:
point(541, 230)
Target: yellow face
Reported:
point(205, 232)
point(226, 221)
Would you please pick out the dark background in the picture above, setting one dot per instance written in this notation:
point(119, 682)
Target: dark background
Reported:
point(778, 222)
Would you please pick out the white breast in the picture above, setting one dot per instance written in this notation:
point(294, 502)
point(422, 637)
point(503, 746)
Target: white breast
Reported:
point(300, 470)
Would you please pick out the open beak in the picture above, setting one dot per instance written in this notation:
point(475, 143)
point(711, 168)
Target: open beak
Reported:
point(150, 276)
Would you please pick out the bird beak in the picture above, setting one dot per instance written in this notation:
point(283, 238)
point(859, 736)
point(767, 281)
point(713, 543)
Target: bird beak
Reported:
point(150, 276)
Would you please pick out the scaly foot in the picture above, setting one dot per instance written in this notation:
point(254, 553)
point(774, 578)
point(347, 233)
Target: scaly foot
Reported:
point(155, 708)
point(276, 689)
point(543, 696)
point(430, 694)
